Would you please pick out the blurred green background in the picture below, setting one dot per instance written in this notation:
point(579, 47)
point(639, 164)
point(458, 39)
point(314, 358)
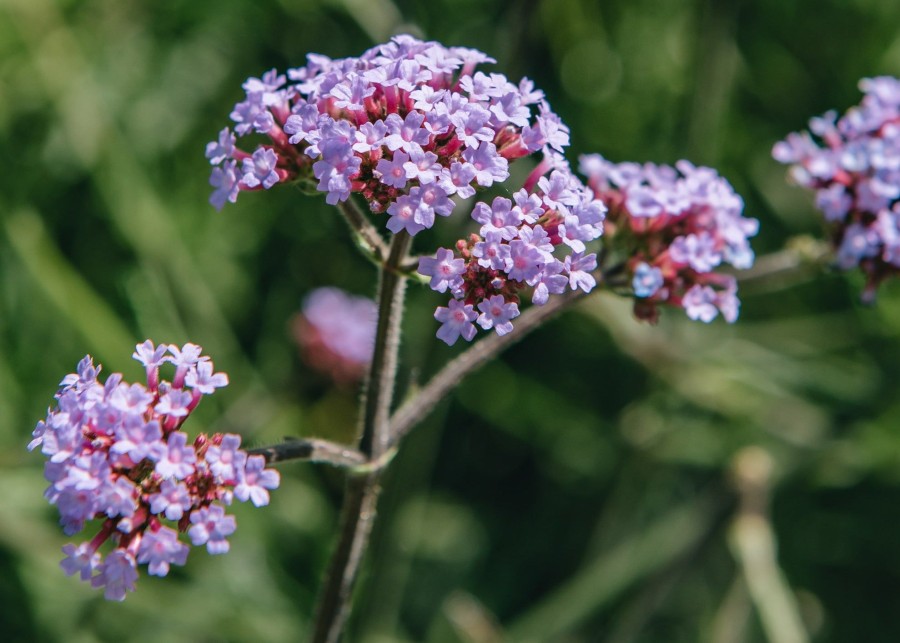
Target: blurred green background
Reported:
point(582, 487)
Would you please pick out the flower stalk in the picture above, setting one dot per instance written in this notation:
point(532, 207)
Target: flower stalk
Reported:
point(362, 491)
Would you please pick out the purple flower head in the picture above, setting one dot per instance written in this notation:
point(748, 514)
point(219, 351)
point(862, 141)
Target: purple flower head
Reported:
point(336, 333)
point(852, 165)
point(676, 224)
point(116, 456)
point(353, 124)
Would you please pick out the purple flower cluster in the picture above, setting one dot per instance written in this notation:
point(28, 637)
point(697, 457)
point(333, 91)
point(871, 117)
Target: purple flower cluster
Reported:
point(336, 333)
point(514, 250)
point(672, 226)
point(407, 125)
point(116, 454)
point(854, 168)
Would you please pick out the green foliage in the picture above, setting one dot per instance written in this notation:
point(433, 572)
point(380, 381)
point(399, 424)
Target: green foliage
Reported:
point(578, 489)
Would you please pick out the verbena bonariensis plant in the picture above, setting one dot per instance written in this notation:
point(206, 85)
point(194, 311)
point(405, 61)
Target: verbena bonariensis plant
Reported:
point(855, 173)
point(412, 130)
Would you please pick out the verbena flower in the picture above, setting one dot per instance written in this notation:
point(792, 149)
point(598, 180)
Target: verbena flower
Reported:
point(116, 454)
point(336, 333)
point(853, 165)
point(534, 241)
point(671, 227)
point(412, 127)
point(403, 115)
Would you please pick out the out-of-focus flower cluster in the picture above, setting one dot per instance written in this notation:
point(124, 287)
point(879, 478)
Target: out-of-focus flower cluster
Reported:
point(116, 454)
point(853, 165)
point(514, 250)
point(407, 125)
point(336, 333)
point(671, 227)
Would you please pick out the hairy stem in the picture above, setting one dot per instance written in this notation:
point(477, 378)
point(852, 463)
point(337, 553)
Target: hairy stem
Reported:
point(361, 495)
point(366, 235)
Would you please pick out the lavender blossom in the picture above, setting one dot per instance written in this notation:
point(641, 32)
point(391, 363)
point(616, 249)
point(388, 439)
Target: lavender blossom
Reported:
point(852, 164)
point(115, 454)
point(673, 226)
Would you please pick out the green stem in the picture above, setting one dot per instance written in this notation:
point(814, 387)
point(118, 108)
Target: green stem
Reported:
point(361, 495)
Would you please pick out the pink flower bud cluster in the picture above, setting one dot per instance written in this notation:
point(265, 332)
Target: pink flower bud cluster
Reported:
point(671, 227)
point(336, 333)
point(536, 240)
point(116, 455)
point(853, 165)
point(407, 125)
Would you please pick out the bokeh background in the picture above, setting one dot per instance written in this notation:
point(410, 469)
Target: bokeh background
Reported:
point(602, 481)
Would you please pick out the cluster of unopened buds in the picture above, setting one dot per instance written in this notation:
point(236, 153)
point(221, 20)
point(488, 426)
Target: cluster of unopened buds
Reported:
point(671, 227)
point(854, 169)
point(412, 128)
point(116, 455)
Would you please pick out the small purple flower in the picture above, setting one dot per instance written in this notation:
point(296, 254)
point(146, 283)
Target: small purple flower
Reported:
point(172, 499)
point(221, 458)
point(117, 575)
point(700, 303)
point(488, 164)
point(525, 261)
point(579, 270)
point(179, 458)
point(253, 480)
point(81, 560)
point(210, 527)
point(456, 320)
point(406, 134)
point(492, 252)
point(175, 403)
point(647, 280)
point(227, 186)
point(443, 269)
point(222, 149)
point(403, 215)
point(696, 250)
point(392, 171)
point(203, 379)
point(458, 179)
point(161, 548)
point(422, 166)
point(259, 169)
point(496, 313)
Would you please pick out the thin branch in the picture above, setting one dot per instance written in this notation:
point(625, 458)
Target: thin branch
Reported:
point(312, 450)
point(383, 369)
point(800, 253)
point(366, 235)
point(416, 408)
